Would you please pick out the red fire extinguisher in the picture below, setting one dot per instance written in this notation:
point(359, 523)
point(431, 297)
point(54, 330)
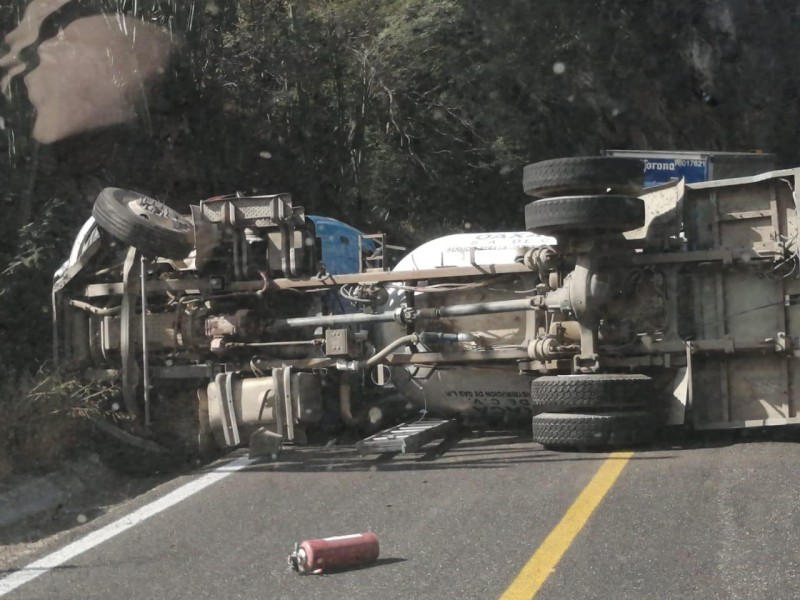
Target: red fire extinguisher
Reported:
point(317, 556)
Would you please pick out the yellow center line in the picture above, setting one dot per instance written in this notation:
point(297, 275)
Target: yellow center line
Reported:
point(544, 560)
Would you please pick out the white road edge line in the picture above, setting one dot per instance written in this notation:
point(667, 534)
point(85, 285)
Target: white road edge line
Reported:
point(59, 557)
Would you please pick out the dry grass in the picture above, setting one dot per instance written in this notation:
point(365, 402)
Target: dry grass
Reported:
point(43, 419)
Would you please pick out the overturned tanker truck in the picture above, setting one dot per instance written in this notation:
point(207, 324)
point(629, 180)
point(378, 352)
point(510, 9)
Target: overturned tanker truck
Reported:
point(619, 310)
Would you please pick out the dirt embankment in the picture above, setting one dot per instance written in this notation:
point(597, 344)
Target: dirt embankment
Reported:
point(35, 510)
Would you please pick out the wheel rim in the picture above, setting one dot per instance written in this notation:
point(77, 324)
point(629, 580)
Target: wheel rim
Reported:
point(158, 214)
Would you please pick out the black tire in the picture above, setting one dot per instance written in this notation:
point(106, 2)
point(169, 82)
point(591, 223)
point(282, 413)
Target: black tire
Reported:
point(148, 225)
point(602, 430)
point(584, 175)
point(563, 393)
point(573, 214)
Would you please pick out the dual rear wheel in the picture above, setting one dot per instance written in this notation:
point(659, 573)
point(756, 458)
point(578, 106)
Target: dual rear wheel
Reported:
point(593, 410)
point(578, 198)
point(584, 195)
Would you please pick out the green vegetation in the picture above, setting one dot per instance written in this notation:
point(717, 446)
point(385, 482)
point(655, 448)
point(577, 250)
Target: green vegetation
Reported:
point(411, 116)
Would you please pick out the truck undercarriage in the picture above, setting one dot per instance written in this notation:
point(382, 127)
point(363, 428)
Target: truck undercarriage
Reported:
point(619, 310)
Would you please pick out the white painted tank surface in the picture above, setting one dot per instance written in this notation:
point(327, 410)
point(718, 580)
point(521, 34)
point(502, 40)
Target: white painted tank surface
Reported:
point(462, 249)
point(479, 391)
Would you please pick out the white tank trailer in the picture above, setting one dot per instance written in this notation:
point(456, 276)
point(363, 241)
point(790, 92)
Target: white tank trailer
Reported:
point(619, 310)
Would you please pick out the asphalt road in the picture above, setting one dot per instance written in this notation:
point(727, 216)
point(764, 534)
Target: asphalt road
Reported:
point(703, 522)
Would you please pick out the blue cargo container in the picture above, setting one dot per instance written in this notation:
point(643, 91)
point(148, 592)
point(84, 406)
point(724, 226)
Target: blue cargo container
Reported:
point(340, 245)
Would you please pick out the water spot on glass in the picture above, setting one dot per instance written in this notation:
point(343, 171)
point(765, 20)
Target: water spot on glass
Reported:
point(559, 68)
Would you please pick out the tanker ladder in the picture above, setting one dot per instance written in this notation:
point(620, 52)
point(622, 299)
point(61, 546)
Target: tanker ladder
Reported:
point(407, 437)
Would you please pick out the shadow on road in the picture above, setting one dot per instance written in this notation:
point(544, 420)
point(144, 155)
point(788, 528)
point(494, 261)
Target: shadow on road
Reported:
point(381, 562)
point(492, 450)
point(466, 450)
point(677, 439)
point(502, 449)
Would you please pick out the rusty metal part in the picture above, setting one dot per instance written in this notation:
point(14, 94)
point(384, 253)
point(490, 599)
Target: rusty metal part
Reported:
point(380, 356)
point(240, 325)
point(479, 308)
point(345, 401)
point(130, 370)
point(568, 332)
point(405, 315)
point(145, 353)
point(583, 296)
point(413, 338)
point(328, 281)
point(542, 259)
point(96, 310)
point(286, 391)
point(584, 293)
point(287, 344)
point(334, 320)
point(418, 358)
point(549, 348)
